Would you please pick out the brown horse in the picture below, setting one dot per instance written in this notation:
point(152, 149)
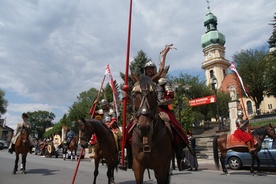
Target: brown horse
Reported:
point(220, 142)
point(151, 139)
point(72, 148)
point(105, 147)
point(22, 146)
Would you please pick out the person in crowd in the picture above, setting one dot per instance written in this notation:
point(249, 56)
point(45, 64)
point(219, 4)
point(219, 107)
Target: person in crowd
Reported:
point(20, 125)
point(70, 135)
point(241, 132)
point(190, 157)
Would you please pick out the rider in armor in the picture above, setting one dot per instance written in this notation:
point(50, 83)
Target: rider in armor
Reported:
point(20, 125)
point(106, 111)
point(165, 98)
point(241, 132)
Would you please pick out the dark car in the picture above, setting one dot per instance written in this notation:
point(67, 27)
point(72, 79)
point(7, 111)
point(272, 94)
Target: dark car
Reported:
point(5, 145)
point(1, 145)
point(267, 155)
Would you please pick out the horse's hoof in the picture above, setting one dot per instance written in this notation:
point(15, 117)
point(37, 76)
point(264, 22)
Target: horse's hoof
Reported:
point(23, 172)
point(13, 172)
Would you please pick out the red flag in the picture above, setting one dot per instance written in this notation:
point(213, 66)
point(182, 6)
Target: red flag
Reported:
point(111, 83)
point(233, 68)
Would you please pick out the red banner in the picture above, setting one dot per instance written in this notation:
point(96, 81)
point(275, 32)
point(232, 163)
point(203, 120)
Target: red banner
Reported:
point(203, 101)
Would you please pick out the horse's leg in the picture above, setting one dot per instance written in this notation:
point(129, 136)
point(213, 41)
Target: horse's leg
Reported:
point(222, 161)
point(76, 156)
point(24, 156)
point(162, 175)
point(258, 164)
point(138, 172)
point(110, 175)
point(96, 170)
point(16, 163)
point(64, 154)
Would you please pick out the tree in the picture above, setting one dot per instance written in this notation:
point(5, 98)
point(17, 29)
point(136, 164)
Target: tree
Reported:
point(251, 65)
point(272, 39)
point(81, 107)
point(40, 120)
point(3, 103)
point(271, 61)
point(137, 66)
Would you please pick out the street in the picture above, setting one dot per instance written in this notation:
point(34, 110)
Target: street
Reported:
point(55, 170)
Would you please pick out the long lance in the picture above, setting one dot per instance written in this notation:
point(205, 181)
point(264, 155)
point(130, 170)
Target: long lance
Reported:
point(125, 88)
point(93, 107)
point(243, 106)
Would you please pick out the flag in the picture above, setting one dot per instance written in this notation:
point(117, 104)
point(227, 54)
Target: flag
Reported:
point(233, 68)
point(111, 83)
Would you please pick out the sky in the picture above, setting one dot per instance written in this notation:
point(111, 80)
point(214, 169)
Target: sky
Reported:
point(51, 51)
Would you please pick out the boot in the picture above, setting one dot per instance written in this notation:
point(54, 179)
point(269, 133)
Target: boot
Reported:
point(31, 149)
point(250, 148)
point(11, 149)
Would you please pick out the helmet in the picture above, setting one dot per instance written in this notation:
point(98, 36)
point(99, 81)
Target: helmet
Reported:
point(151, 64)
point(103, 102)
point(240, 113)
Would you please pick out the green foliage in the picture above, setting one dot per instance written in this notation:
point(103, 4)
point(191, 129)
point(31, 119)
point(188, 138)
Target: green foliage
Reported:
point(270, 73)
point(81, 107)
point(40, 120)
point(272, 39)
point(3, 103)
point(251, 65)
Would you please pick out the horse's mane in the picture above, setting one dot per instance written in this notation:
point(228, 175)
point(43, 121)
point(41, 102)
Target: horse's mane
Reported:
point(146, 83)
point(259, 131)
point(98, 123)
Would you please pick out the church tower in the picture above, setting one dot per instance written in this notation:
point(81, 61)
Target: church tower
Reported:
point(212, 42)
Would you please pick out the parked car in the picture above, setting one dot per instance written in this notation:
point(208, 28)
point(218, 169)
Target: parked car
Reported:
point(267, 155)
point(5, 144)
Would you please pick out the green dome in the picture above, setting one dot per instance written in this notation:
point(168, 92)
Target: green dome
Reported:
point(212, 37)
point(209, 18)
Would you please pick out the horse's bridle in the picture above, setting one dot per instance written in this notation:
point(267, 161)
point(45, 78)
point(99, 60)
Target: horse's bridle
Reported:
point(144, 108)
point(146, 111)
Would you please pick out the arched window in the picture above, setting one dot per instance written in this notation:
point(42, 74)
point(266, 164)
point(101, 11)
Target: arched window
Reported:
point(211, 74)
point(249, 107)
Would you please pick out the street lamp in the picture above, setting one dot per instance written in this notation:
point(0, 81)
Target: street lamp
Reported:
point(215, 87)
point(177, 90)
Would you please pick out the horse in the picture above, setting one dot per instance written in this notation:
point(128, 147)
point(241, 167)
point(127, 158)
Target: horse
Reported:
point(151, 139)
point(22, 146)
point(104, 148)
point(220, 142)
point(72, 147)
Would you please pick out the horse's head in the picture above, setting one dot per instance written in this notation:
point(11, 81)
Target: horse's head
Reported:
point(86, 131)
point(271, 132)
point(145, 106)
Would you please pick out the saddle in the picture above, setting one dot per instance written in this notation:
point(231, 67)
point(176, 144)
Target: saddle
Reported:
point(233, 142)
